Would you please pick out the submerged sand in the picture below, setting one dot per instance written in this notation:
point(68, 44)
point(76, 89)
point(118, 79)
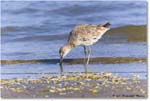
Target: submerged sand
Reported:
point(103, 60)
point(81, 85)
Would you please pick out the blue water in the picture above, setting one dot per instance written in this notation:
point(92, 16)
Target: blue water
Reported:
point(28, 28)
point(41, 70)
point(49, 50)
point(59, 17)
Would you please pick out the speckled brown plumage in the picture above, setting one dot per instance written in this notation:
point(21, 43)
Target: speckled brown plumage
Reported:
point(86, 34)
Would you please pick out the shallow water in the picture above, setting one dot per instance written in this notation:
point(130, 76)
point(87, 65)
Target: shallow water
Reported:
point(49, 50)
point(43, 70)
point(36, 30)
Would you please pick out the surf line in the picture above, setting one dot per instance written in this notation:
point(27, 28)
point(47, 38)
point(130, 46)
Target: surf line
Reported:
point(103, 60)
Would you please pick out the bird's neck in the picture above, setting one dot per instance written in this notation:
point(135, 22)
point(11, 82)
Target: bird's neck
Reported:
point(70, 45)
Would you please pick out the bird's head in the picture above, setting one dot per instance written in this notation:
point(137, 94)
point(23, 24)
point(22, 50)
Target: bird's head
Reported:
point(64, 50)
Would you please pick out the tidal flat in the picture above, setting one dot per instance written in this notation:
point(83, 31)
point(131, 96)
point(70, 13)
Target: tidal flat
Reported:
point(81, 85)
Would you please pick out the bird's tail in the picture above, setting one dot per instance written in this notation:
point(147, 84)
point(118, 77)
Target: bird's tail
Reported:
point(106, 24)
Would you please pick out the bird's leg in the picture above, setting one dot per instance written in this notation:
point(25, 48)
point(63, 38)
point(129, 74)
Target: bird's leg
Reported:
point(88, 57)
point(85, 53)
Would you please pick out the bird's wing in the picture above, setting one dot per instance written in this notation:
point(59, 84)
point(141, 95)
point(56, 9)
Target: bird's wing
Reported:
point(82, 32)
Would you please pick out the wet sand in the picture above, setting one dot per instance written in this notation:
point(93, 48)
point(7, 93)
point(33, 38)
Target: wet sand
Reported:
point(81, 85)
point(103, 60)
point(128, 33)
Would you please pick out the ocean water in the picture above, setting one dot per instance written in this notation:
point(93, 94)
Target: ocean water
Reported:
point(37, 29)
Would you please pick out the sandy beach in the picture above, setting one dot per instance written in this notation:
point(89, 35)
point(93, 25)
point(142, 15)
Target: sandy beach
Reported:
point(91, 85)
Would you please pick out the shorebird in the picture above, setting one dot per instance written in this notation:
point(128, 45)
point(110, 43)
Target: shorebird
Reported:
point(83, 35)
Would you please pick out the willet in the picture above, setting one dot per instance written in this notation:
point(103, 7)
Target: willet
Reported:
point(83, 35)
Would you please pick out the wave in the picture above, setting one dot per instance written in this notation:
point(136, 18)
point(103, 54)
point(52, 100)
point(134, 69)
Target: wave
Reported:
point(103, 60)
point(124, 33)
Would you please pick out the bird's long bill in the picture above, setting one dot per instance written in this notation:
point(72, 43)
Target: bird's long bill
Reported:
point(60, 63)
